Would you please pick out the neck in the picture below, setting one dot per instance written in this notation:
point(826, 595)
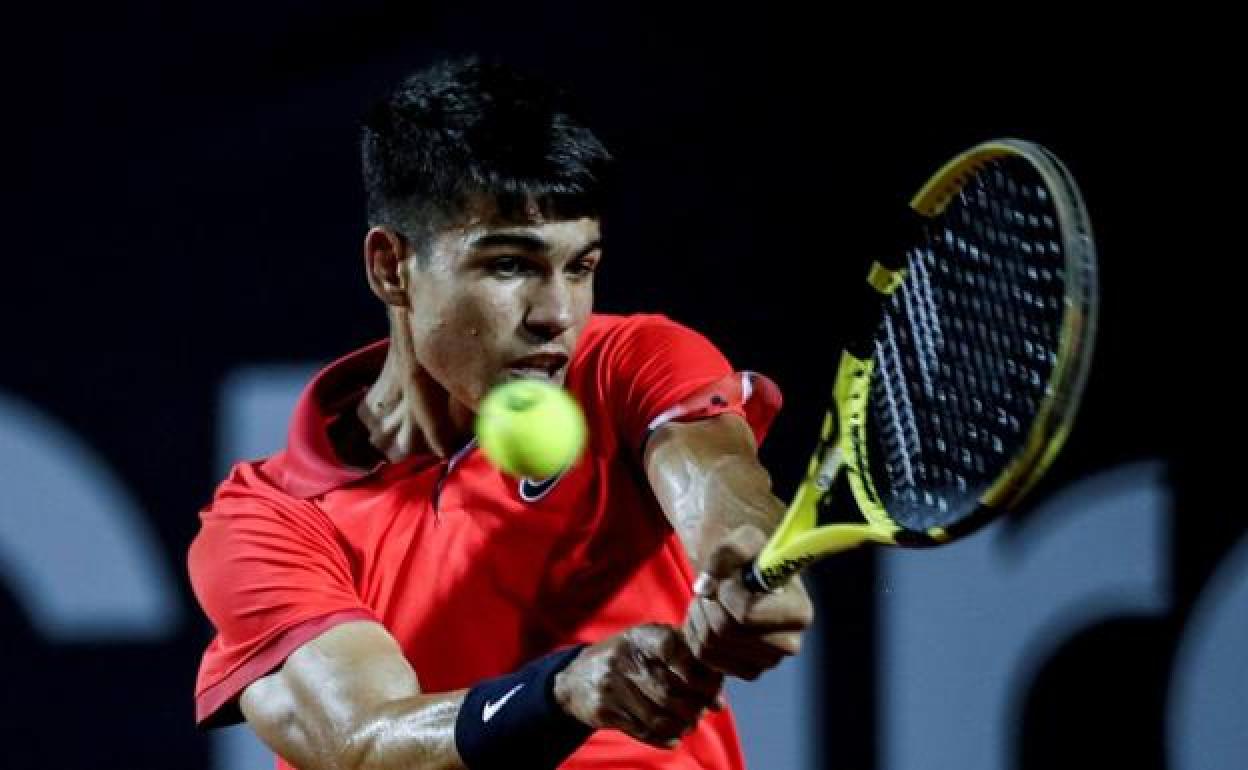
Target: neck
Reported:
point(406, 411)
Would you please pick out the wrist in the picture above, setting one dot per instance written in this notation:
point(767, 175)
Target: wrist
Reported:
point(517, 717)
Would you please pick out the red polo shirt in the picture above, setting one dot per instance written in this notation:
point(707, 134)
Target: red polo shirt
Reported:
point(472, 571)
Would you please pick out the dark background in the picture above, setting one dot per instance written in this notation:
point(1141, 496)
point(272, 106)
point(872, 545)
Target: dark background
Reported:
point(181, 198)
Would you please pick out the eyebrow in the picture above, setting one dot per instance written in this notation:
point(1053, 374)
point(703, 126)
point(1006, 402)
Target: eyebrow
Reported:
point(509, 240)
point(526, 243)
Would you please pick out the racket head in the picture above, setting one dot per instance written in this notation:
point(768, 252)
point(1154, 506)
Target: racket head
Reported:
point(988, 335)
point(961, 391)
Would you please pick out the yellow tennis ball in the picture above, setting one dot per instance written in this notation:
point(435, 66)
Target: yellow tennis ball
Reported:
point(530, 428)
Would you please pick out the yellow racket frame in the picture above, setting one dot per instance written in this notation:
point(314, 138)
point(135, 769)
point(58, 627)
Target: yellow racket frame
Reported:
point(799, 540)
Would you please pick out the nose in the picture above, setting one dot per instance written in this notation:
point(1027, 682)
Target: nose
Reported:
point(549, 311)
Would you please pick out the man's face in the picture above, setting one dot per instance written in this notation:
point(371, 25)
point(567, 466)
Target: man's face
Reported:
point(496, 299)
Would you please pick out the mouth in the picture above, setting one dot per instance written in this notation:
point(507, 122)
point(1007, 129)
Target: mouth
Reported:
point(546, 366)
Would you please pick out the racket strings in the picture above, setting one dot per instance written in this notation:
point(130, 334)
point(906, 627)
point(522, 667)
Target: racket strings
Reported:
point(903, 441)
point(964, 354)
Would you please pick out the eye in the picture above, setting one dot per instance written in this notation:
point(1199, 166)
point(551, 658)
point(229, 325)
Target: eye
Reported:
point(582, 268)
point(506, 266)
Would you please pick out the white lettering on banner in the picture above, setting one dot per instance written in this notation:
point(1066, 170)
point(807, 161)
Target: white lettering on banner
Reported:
point(1207, 719)
point(75, 547)
point(965, 628)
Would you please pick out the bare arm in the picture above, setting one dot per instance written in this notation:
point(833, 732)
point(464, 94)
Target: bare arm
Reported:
point(707, 478)
point(348, 700)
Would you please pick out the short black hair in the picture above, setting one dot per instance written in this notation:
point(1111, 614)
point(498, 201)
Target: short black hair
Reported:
point(465, 128)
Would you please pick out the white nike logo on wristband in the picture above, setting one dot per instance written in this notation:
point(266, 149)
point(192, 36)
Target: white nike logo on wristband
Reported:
point(490, 709)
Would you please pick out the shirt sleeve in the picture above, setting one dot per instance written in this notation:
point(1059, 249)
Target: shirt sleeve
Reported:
point(657, 370)
point(271, 575)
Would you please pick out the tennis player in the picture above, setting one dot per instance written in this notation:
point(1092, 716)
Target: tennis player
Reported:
point(384, 598)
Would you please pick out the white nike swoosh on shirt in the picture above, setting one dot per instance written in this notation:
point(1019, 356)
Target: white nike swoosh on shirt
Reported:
point(490, 709)
point(532, 491)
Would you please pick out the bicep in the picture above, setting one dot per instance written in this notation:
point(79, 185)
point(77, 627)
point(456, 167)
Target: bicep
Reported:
point(334, 699)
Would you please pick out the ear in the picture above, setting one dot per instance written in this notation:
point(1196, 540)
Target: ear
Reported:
point(384, 254)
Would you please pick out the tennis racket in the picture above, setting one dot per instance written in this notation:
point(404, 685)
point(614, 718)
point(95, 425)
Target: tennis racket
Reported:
point(962, 383)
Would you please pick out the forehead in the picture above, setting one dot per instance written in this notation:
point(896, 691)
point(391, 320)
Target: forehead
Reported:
point(486, 222)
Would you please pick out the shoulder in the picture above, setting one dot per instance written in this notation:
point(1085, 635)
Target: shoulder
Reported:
point(255, 482)
point(251, 513)
point(637, 334)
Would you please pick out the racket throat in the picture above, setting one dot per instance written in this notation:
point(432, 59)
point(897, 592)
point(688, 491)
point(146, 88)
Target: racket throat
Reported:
point(823, 519)
point(837, 504)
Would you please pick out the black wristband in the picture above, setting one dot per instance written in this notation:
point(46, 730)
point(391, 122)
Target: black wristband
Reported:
point(513, 721)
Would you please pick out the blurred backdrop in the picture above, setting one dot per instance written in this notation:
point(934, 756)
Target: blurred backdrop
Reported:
point(183, 221)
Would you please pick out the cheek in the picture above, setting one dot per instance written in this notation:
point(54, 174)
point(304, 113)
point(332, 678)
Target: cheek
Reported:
point(585, 303)
point(484, 321)
point(464, 346)
point(582, 308)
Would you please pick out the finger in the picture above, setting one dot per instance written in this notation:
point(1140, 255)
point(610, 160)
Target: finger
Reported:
point(676, 656)
point(624, 698)
point(697, 678)
point(735, 551)
point(677, 669)
point(697, 630)
point(721, 637)
point(712, 648)
point(732, 648)
point(721, 631)
point(672, 695)
point(633, 727)
point(657, 641)
point(691, 679)
point(788, 609)
point(748, 667)
point(786, 643)
point(708, 650)
point(658, 723)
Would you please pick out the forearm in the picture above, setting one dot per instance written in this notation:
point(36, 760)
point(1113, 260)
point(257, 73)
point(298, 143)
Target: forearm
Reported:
point(415, 732)
point(351, 722)
point(709, 482)
point(316, 732)
point(732, 492)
